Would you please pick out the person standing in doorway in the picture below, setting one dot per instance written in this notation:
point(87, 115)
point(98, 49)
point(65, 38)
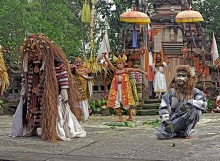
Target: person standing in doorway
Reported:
point(160, 85)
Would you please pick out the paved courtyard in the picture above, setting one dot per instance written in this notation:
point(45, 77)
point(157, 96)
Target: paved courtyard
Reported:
point(116, 143)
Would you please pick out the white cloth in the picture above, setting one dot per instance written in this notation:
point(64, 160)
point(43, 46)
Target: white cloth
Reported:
point(118, 100)
point(17, 124)
point(67, 126)
point(84, 105)
point(160, 84)
point(90, 88)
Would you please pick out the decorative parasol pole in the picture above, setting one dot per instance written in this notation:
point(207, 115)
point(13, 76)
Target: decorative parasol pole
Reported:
point(189, 16)
point(91, 29)
point(135, 17)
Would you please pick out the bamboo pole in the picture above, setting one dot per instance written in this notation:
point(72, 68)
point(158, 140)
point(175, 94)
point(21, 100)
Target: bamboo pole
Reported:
point(91, 29)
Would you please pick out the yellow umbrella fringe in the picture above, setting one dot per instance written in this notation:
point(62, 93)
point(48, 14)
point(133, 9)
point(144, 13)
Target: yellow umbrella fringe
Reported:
point(183, 20)
point(135, 20)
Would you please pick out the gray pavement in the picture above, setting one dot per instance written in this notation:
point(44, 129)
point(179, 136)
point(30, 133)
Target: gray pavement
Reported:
point(115, 144)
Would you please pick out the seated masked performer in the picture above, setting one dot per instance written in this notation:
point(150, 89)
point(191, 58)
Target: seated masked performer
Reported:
point(181, 106)
point(160, 85)
point(49, 96)
point(83, 84)
point(121, 88)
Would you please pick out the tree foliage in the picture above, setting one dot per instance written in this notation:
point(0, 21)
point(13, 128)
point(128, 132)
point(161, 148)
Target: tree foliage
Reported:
point(210, 10)
point(112, 17)
point(59, 20)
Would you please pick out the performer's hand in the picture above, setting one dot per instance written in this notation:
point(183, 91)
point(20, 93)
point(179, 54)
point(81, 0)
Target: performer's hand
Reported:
point(168, 126)
point(186, 106)
point(90, 78)
point(146, 75)
point(64, 95)
point(182, 108)
point(72, 66)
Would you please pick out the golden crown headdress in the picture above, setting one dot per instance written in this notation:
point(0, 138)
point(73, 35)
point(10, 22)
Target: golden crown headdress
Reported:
point(120, 58)
point(78, 58)
point(159, 54)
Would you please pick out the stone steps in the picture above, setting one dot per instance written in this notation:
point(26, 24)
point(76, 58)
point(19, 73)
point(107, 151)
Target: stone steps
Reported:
point(150, 107)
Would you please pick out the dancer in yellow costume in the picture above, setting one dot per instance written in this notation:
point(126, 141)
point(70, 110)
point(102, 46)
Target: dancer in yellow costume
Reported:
point(4, 80)
point(121, 89)
point(84, 84)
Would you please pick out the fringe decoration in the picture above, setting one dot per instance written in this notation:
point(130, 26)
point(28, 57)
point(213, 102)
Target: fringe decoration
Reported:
point(25, 63)
point(49, 110)
point(4, 80)
point(86, 13)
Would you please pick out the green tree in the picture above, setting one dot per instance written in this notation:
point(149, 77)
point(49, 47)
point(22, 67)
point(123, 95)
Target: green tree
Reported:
point(210, 10)
point(61, 21)
point(112, 18)
point(53, 18)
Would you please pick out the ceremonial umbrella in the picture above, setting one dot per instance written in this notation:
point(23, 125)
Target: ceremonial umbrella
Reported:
point(135, 17)
point(189, 16)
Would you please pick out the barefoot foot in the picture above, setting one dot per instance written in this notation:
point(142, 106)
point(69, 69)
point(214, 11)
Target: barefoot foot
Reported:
point(32, 133)
point(189, 137)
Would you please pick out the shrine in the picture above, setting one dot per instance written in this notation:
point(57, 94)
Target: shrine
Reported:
point(179, 43)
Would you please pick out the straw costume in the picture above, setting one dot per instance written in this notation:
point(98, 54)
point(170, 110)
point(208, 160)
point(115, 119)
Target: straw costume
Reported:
point(83, 84)
point(4, 79)
point(181, 106)
point(121, 88)
point(49, 93)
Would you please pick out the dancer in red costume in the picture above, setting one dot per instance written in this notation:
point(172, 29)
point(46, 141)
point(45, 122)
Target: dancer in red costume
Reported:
point(121, 90)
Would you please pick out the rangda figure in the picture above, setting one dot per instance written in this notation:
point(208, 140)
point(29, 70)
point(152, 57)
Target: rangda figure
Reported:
point(121, 90)
point(181, 106)
point(48, 91)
